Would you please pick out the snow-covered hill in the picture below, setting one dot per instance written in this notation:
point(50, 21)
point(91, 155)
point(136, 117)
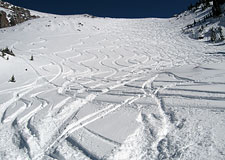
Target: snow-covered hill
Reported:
point(11, 15)
point(102, 88)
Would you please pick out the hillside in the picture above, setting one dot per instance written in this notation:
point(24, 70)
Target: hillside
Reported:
point(101, 88)
point(11, 15)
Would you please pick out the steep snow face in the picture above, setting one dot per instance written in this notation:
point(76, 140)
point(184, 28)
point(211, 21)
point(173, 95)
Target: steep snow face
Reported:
point(101, 88)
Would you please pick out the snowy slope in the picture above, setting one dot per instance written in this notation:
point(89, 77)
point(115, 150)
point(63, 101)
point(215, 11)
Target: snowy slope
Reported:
point(102, 88)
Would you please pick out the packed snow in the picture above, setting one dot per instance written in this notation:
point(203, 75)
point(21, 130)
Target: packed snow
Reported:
point(114, 89)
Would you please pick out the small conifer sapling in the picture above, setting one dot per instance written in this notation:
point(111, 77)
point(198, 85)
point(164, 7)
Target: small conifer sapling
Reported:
point(12, 79)
point(32, 58)
point(221, 33)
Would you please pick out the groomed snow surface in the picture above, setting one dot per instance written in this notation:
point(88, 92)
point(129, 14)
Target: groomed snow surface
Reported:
point(115, 89)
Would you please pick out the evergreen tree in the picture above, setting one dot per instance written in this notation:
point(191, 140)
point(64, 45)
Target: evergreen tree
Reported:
point(12, 79)
point(32, 58)
point(190, 7)
point(221, 33)
point(216, 7)
point(3, 54)
point(213, 35)
point(7, 51)
point(201, 28)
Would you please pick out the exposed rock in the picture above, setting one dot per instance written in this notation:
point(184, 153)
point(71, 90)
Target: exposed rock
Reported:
point(3, 20)
point(17, 15)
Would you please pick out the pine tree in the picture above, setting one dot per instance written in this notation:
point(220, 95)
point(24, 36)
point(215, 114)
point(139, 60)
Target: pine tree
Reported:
point(194, 22)
point(7, 51)
point(32, 58)
point(213, 35)
point(216, 7)
point(190, 7)
point(3, 54)
point(12, 79)
point(221, 33)
point(207, 3)
point(201, 28)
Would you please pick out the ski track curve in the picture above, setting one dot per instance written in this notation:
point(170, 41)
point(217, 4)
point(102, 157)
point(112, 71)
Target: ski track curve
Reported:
point(113, 64)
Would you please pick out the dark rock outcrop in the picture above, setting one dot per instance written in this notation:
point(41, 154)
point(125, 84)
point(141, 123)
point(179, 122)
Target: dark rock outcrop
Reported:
point(17, 15)
point(3, 20)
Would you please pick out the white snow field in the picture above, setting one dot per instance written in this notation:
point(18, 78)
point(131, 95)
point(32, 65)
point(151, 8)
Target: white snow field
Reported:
point(113, 89)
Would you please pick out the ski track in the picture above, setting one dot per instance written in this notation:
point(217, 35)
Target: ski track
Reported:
point(122, 60)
